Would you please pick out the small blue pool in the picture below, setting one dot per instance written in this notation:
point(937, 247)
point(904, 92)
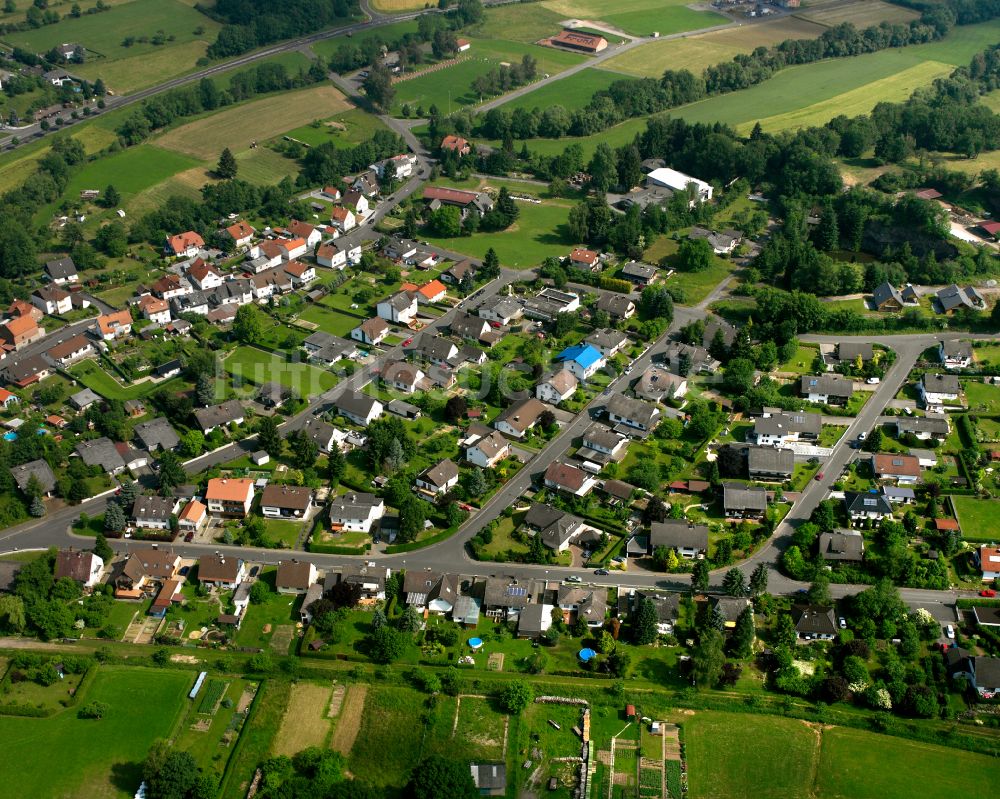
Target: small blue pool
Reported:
point(10, 436)
point(475, 643)
point(586, 655)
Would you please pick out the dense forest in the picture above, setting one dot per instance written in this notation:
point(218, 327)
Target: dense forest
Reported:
point(250, 24)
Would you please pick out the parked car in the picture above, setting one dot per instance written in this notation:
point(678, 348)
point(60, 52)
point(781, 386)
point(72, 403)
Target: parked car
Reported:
point(819, 476)
point(873, 381)
point(862, 435)
point(843, 623)
point(189, 538)
point(950, 632)
point(574, 579)
point(988, 592)
point(408, 342)
point(601, 572)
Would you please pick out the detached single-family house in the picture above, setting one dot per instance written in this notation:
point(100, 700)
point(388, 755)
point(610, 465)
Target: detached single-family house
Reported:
point(400, 308)
point(989, 563)
point(154, 309)
point(19, 332)
point(221, 415)
point(617, 306)
point(302, 274)
point(814, 623)
point(152, 513)
point(826, 389)
point(322, 434)
point(502, 310)
point(156, 434)
point(80, 566)
point(204, 275)
point(487, 450)
point(193, 517)
point(587, 603)
point(456, 274)
point(438, 479)
point(62, 270)
point(602, 444)
point(939, 389)
point(358, 408)
point(849, 351)
point(520, 417)
point(886, 297)
point(934, 426)
point(584, 259)
point(40, 470)
point(640, 274)
point(687, 540)
point(371, 331)
point(632, 413)
point(557, 387)
point(343, 219)
point(230, 496)
point(114, 325)
point(295, 576)
point(658, 385)
point(607, 341)
point(556, 528)
point(667, 606)
point(355, 512)
point(866, 506)
point(780, 429)
point(241, 233)
point(101, 452)
point(955, 354)
point(286, 501)
point(744, 502)
point(221, 571)
point(568, 478)
point(583, 360)
point(842, 546)
point(184, 245)
point(904, 469)
point(770, 464)
point(954, 297)
point(145, 567)
point(71, 350)
point(722, 243)
point(455, 144)
point(52, 300)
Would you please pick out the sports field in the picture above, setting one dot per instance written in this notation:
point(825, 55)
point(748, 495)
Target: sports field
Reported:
point(259, 120)
point(63, 756)
point(186, 34)
point(861, 13)
point(638, 17)
point(694, 53)
point(451, 87)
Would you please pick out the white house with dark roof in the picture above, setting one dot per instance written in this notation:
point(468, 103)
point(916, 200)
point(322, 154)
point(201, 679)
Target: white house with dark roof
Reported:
point(400, 308)
point(355, 511)
point(632, 413)
point(358, 408)
point(955, 354)
point(438, 479)
point(939, 389)
point(557, 387)
point(687, 540)
point(486, 451)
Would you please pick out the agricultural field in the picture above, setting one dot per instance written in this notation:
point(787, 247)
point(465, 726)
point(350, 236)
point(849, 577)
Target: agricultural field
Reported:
point(345, 129)
point(977, 517)
point(263, 166)
point(453, 85)
point(695, 53)
point(305, 722)
point(638, 17)
point(861, 13)
point(571, 93)
point(397, 6)
point(100, 759)
point(259, 120)
point(254, 366)
point(519, 22)
point(104, 35)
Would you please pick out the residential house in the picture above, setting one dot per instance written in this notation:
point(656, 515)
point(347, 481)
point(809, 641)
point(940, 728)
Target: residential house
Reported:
point(955, 354)
point(80, 566)
point(557, 387)
point(230, 496)
point(952, 297)
point(487, 450)
point(52, 300)
point(555, 528)
point(154, 309)
point(398, 167)
point(101, 452)
point(435, 349)
point(632, 413)
point(938, 389)
point(371, 331)
point(866, 506)
point(730, 608)
point(501, 310)
point(295, 576)
point(8, 399)
point(780, 429)
point(640, 274)
point(286, 501)
point(400, 308)
point(221, 571)
point(358, 408)
point(826, 389)
point(602, 444)
point(223, 415)
point(850, 351)
point(25, 308)
point(38, 469)
point(302, 274)
point(904, 469)
point(19, 332)
point(193, 517)
point(607, 341)
point(156, 434)
point(357, 202)
point(900, 495)
point(438, 479)
point(23, 372)
point(170, 286)
point(204, 275)
point(743, 502)
point(70, 351)
point(331, 193)
point(432, 291)
point(355, 512)
point(667, 606)
point(84, 399)
point(455, 144)
point(549, 303)
point(152, 513)
point(842, 546)
point(658, 385)
point(568, 478)
point(184, 245)
point(370, 580)
point(145, 567)
point(322, 434)
point(332, 255)
point(932, 426)
point(313, 594)
point(534, 620)
point(583, 360)
point(456, 274)
point(989, 563)
point(240, 233)
point(584, 259)
point(886, 297)
point(815, 623)
point(303, 230)
point(687, 540)
point(114, 325)
point(617, 306)
point(520, 417)
point(504, 597)
point(587, 603)
point(473, 328)
point(770, 464)
point(61, 270)
point(722, 243)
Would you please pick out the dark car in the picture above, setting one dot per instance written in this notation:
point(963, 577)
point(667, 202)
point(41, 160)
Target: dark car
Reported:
point(189, 537)
point(254, 571)
point(184, 569)
point(601, 572)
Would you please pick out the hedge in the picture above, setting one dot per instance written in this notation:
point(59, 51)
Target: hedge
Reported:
point(434, 539)
point(330, 549)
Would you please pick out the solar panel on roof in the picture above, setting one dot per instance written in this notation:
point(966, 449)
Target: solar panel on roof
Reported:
point(869, 502)
point(897, 462)
point(516, 590)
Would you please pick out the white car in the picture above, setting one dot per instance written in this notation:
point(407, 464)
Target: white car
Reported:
point(873, 381)
point(843, 623)
point(862, 435)
point(950, 632)
point(628, 369)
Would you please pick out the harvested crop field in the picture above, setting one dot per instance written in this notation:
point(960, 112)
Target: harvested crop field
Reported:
point(304, 723)
point(237, 127)
point(695, 53)
point(861, 14)
point(349, 721)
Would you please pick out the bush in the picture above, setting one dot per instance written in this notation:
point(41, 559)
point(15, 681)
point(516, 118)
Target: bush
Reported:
point(93, 710)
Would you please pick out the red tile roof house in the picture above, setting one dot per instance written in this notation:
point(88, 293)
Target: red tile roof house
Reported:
point(184, 245)
point(304, 230)
point(300, 273)
point(583, 259)
point(20, 331)
point(241, 233)
point(204, 275)
point(229, 496)
point(343, 219)
point(904, 469)
point(114, 325)
point(455, 144)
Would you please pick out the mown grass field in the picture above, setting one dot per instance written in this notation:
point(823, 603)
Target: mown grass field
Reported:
point(95, 378)
point(571, 93)
point(697, 52)
point(519, 22)
point(256, 366)
point(454, 84)
point(695, 285)
point(66, 756)
point(639, 17)
point(103, 35)
point(259, 120)
point(328, 47)
point(345, 129)
point(861, 14)
point(131, 171)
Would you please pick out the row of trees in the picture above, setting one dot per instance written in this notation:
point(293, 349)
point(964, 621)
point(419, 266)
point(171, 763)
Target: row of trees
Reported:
point(250, 24)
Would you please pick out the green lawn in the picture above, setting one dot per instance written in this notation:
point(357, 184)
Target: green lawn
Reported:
point(388, 744)
point(978, 518)
point(982, 397)
point(349, 128)
point(257, 366)
point(96, 759)
point(694, 285)
point(283, 531)
point(639, 17)
point(538, 233)
point(94, 377)
point(571, 93)
point(330, 321)
point(801, 362)
point(278, 609)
